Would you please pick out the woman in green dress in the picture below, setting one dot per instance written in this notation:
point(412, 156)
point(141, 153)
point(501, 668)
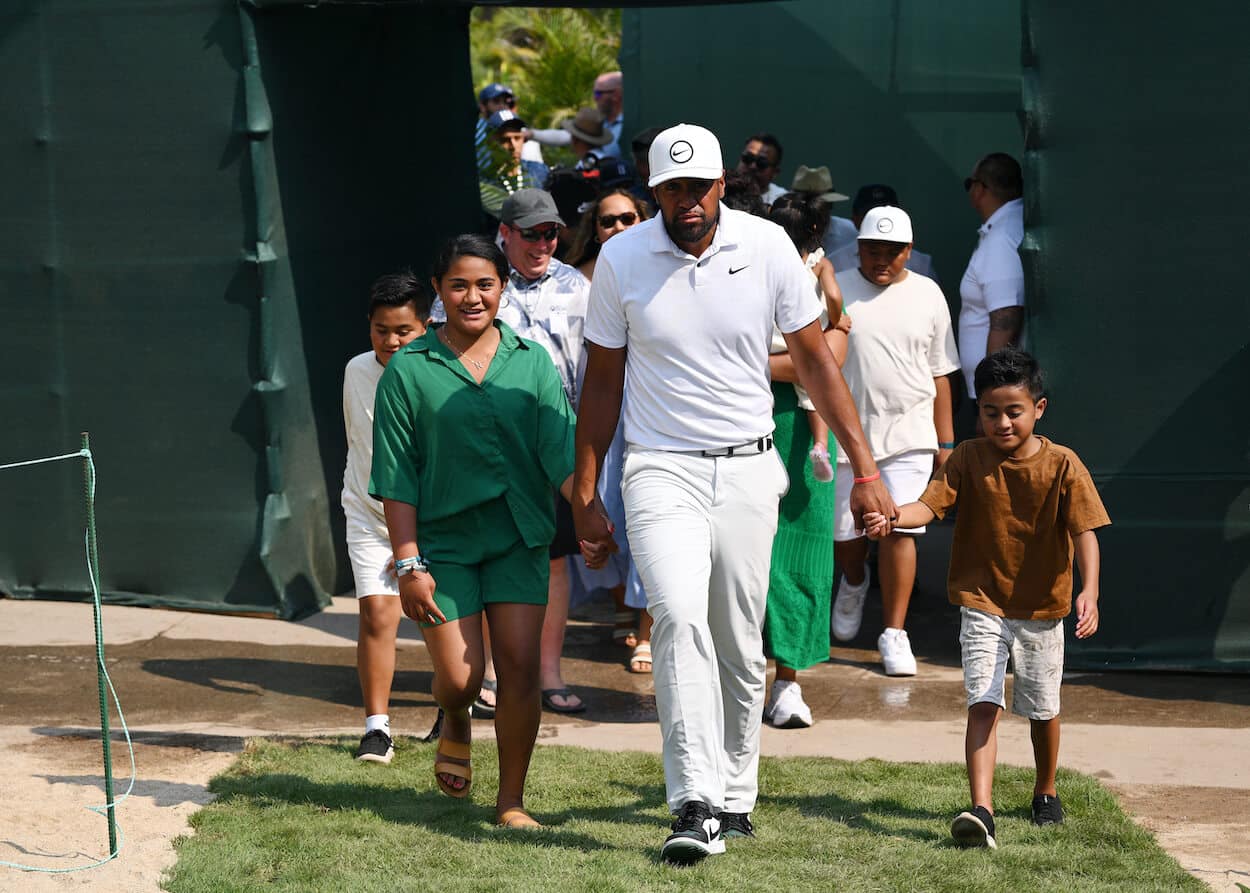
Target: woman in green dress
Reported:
point(800, 581)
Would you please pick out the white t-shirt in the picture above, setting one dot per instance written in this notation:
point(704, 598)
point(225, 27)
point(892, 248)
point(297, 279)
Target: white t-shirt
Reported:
point(994, 280)
point(697, 330)
point(901, 339)
point(773, 192)
point(360, 383)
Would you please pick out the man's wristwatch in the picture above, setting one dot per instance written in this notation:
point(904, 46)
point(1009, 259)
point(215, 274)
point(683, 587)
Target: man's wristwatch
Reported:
point(414, 565)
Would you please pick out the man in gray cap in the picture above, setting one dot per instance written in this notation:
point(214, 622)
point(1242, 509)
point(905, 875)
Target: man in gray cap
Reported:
point(544, 300)
point(681, 314)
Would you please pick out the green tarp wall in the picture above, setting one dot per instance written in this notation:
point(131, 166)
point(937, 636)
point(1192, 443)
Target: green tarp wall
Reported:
point(198, 195)
point(1137, 195)
point(1138, 217)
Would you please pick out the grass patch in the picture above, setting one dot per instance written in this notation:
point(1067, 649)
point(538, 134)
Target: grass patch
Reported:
point(306, 817)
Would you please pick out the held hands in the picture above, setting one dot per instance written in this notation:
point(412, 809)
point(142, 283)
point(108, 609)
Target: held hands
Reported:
point(594, 533)
point(872, 498)
point(1086, 614)
point(877, 525)
point(416, 595)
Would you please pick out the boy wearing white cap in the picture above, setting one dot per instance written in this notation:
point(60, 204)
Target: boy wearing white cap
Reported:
point(901, 350)
point(681, 313)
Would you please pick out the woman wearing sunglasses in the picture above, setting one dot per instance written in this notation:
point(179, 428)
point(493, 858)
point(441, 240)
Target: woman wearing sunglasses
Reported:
point(609, 214)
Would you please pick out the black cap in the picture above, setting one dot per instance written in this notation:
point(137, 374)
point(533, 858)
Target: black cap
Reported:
point(874, 195)
point(643, 139)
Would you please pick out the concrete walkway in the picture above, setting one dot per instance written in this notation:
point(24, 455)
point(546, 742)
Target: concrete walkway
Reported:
point(195, 686)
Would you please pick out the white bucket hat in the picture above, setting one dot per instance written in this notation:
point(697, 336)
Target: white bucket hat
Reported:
point(686, 150)
point(886, 224)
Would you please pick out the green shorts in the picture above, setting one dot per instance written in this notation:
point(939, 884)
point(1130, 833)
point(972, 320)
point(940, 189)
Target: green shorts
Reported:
point(478, 558)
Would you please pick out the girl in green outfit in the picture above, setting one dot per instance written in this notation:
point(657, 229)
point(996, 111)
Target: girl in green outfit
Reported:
point(472, 431)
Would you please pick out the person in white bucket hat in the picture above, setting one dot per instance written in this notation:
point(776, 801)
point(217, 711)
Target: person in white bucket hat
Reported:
point(681, 314)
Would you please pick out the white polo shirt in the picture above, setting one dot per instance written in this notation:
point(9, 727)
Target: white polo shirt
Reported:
point(994, 280)
point(697, 330)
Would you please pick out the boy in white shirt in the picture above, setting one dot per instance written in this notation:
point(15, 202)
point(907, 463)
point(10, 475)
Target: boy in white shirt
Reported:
point(399, 307)
point(901, 350)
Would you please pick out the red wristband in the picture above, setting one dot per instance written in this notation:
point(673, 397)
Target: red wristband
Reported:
point(875, 476)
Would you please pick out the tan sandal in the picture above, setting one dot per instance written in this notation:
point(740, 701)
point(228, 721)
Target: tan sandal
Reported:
point(640, 657)
point(456, 750)
point(518, 818)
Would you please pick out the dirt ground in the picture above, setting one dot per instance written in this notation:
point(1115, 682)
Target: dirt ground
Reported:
point(195, 687)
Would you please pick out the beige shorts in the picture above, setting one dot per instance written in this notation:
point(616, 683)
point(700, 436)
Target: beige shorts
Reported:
point(1036, 651)
point(369, 553)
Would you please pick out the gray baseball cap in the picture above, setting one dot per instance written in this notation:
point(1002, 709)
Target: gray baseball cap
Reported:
point(529, 207)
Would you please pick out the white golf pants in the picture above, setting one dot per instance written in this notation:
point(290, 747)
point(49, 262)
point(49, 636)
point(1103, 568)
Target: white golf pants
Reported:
point(701, 534)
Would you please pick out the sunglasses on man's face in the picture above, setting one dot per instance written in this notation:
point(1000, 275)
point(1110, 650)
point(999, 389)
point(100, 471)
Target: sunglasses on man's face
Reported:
point(760, 161)
point(539, 235)
point(607, 221)
point(968, 181)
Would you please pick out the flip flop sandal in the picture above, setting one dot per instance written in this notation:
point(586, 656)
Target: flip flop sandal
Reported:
point(622, 634)
point(481, 709)
point(457, 750)
point(518, 818)
point(641, 655)
point(550, 694)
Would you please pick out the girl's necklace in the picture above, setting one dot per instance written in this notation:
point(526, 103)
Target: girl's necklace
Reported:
point(460, 354)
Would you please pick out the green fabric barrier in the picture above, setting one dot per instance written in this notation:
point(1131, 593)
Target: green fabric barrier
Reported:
point(199, 196)
point(905, 93)
point(1137, 188)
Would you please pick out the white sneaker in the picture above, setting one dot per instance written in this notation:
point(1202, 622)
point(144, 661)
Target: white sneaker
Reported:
point(896, 653)
point(848, 608)
point(786, 708)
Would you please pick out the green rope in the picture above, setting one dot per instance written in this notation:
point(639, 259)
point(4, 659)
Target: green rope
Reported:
point(93, 571)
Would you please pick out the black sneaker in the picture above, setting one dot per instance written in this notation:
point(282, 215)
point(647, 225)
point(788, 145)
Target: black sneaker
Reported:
point(375, 747)
point(736, 824)
point(1047, 810)
point(696, 834)
point(974, 827)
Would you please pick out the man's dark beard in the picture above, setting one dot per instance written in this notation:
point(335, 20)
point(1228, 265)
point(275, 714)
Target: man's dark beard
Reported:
point(689, 234)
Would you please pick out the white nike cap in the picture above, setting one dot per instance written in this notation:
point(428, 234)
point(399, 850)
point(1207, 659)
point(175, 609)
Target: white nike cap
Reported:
point(686, 150)
point(886, 224)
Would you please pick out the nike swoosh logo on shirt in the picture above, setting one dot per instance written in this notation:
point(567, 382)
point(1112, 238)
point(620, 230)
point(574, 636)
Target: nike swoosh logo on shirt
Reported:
point(739, 270)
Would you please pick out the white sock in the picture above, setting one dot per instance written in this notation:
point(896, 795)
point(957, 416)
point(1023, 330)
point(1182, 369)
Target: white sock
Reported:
point(378, 721)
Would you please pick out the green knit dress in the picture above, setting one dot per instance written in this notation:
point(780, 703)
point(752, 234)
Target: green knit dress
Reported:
point(796, 621)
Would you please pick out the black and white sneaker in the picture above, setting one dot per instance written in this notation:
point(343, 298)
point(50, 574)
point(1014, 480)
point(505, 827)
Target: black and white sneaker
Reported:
point(696, 834)
point(375, 747)
point(1047, 810)
point(974, 827)
point(736, 824)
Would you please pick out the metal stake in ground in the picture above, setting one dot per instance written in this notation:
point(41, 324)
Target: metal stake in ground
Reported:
point(88, 480)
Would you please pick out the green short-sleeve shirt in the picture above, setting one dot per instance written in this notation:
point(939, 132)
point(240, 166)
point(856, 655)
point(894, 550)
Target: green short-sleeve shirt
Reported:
point(445, 444)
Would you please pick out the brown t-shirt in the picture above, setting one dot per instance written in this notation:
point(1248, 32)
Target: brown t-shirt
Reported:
point(1012, 551)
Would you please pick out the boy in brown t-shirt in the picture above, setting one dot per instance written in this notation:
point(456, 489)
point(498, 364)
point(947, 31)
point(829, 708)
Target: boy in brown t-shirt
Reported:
point(1025, 505)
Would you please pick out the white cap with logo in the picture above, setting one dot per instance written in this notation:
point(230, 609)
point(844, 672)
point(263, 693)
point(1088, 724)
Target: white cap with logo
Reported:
point(685, 150)
point(886, 224)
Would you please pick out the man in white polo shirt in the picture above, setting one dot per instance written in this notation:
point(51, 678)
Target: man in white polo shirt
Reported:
point(991, 314)
point(681, 312)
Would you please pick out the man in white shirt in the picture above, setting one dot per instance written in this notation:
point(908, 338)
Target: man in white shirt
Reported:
point(992, 290)
point(761, 158)
point(544, 300)
point(681, 315)
point(901, 351)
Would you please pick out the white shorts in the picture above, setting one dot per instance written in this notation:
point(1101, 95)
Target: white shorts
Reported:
point(1036, 651)
point(905, 476)
point(369, 553)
